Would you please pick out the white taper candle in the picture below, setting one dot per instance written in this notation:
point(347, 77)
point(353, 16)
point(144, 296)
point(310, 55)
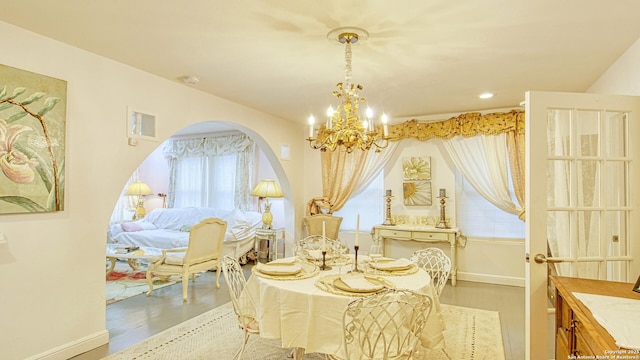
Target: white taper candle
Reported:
point(357, 242)
point(324, 241)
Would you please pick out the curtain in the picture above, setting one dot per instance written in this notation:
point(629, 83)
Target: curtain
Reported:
point(218, 166)
point(340, 174)
point(373, 165)
point(483, 162)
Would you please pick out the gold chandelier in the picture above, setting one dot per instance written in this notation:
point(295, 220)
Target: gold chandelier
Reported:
point(345, 126)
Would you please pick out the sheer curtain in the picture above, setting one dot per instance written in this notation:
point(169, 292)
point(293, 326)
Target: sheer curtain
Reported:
point(210, 172)
point(483, 161)
point(373, 165)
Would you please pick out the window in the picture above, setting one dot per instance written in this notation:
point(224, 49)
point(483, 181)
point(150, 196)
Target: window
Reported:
point(195, 177)
point(477, 217)
point(369, 204)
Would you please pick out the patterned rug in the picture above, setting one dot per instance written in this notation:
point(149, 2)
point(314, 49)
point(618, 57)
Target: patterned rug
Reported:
point(123, 282)
point(471, 334)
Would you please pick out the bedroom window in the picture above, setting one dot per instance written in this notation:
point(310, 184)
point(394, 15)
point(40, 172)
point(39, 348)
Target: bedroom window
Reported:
point(477, 217)
point(195, 179)
point(369, 204)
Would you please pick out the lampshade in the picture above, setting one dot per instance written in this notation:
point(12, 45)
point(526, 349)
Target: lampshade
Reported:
point(139, 188)
point(267, 189)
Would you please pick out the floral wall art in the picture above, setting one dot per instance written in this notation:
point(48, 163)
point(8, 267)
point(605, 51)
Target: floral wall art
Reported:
point(32, 142)
point(416, 190)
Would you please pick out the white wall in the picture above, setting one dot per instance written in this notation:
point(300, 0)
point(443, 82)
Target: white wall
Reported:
point(52, 268)
point(623, 76)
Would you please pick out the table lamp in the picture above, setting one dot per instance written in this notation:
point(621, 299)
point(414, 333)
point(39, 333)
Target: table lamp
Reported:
point(266, 189)
point(140, 189)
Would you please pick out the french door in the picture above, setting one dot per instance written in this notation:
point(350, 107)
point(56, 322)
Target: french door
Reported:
point(581, 211)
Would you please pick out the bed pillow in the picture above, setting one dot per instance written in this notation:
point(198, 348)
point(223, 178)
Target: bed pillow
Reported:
point(236, 220)
point(137, 226)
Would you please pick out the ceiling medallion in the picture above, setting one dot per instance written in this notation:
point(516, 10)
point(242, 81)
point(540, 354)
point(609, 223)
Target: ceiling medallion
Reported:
point(346, 128)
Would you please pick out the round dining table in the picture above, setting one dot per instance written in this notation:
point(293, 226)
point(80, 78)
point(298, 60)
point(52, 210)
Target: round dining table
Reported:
point(309, 319)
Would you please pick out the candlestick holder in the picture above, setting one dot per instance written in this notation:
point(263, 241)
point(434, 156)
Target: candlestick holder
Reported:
point(442, 223)
point(388, 220)
point(324, 263)
point(355, 268)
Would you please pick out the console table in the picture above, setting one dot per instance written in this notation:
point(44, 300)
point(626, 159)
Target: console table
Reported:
point(425, 234)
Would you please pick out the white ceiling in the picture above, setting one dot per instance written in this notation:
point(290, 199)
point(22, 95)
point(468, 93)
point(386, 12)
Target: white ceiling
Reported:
point(423, 57)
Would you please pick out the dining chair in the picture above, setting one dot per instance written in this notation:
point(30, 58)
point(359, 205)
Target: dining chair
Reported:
point(202, 253)
point(236, 282)
point(313, 225)
point(436, 263)
point(305, 247)
point(385, 325)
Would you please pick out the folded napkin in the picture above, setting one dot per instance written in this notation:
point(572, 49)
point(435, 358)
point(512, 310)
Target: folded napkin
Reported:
point(285, 261)
point(279, 269)
point(360, 283)
point(397, 264)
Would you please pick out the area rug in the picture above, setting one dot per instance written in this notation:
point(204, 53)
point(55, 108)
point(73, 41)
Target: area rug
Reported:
point(471, 334)
point(123, 282)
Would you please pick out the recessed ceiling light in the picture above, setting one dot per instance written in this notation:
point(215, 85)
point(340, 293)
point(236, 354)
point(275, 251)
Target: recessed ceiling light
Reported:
point(486, 95)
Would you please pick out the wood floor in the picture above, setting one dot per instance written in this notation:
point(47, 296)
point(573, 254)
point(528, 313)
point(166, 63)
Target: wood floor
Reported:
point(132, 320)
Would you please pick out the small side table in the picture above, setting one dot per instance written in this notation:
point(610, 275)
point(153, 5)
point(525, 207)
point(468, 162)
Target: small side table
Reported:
point(271, 236)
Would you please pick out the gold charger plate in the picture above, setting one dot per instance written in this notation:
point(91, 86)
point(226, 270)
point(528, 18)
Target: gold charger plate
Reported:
point(307, 271)
point(339, 284)
point(327, 283)
point(265, 270)
point(409, 270)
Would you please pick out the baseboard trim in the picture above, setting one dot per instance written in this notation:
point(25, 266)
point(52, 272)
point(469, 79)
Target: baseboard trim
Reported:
point(492, 279)
point(74, 348)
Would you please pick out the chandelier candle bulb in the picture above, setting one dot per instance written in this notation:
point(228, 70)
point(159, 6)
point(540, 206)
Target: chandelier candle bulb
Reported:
point(443, 192)
point(385, 127)
point(311, 122)
point(388, 192)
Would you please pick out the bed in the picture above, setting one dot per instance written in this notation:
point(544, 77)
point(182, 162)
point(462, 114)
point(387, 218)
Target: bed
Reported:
point(169, 228)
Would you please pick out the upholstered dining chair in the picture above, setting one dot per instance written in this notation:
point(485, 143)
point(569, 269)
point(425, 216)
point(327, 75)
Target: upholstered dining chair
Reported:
point(202, 253)
point(234, 277)
point(313, 225)
point(436, 263)
point(385, 325)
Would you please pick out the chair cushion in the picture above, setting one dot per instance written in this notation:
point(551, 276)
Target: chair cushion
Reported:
point(174, 259)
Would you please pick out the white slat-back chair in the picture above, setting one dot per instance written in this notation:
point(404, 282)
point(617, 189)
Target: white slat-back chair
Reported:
point(436, 263)
point(385, 325)
point(234, 277)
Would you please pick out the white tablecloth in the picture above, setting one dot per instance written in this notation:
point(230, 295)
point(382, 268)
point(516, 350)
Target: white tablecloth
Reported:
point(303, 316)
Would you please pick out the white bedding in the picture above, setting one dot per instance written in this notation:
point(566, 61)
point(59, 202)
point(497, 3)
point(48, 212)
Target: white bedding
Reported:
point(169, 228)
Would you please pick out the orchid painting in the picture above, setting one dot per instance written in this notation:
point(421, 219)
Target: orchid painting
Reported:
point(32, 139)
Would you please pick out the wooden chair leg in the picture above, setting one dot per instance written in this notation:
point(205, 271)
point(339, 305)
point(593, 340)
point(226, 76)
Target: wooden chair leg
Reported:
point(185, 286)
point(218, 271)
point(150, 282)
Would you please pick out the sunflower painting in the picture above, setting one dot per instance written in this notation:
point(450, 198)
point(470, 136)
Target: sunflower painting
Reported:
point(416, 168)
point(32, 142)
point(417, 193)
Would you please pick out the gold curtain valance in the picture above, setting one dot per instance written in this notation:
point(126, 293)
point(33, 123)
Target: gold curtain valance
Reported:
point(466, 125)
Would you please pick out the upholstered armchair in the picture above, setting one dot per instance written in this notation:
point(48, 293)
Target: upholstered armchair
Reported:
point(203, 253)
point(313, 225)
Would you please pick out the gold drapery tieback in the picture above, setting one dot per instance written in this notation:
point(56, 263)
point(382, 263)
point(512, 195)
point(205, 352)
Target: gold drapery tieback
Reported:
point(465, 125)
point(315, 206)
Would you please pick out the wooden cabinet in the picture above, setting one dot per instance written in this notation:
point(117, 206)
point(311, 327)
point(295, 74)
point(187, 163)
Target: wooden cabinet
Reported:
point(384, 233)
point(577, 332)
